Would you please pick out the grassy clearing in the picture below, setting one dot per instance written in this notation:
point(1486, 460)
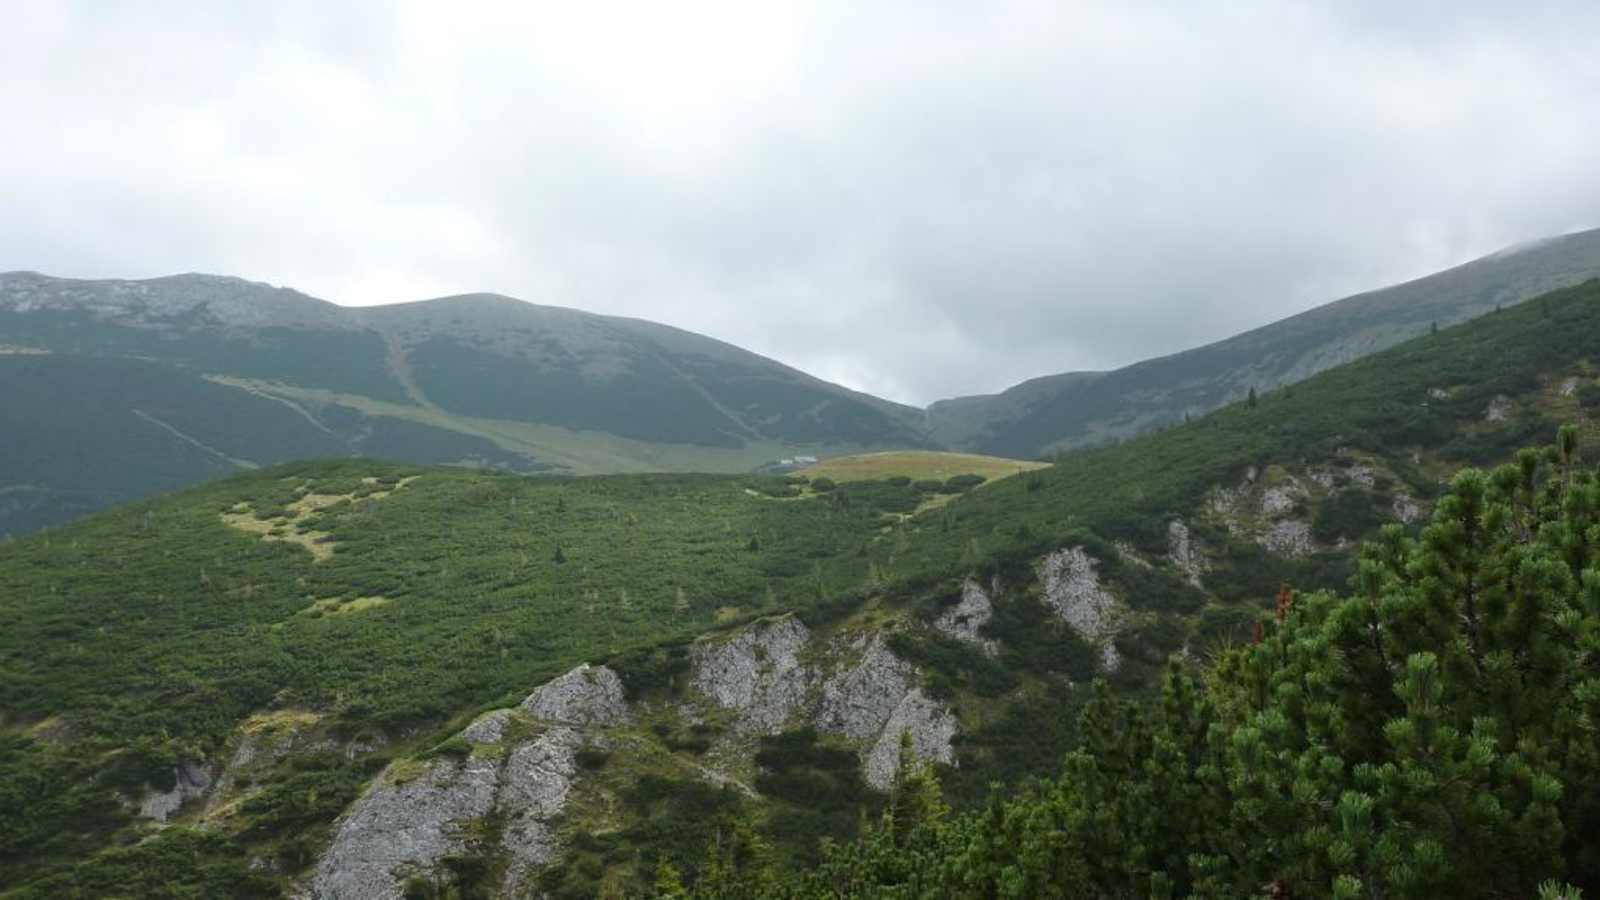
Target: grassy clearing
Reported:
point(291, 525)
point(337, 606)
point(917, 465)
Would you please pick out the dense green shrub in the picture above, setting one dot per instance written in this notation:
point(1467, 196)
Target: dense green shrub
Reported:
point(673, 819)
point(960, 484)
point(1589, 397)
point(307, 791)
point(178, 862)
point(1034, 640)
point(949, 665)
point(649, 670)
point(1350, 513)
point(818, 788)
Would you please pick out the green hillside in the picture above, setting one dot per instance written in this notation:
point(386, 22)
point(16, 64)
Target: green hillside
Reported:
point(1045, 415)
point(381, 606)
point(118, 389)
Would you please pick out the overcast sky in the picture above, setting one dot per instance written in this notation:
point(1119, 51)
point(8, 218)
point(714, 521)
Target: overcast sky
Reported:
point(918, 199)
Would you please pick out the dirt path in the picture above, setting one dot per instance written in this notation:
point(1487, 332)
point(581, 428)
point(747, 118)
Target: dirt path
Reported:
point(400, 368)
point(241, 463)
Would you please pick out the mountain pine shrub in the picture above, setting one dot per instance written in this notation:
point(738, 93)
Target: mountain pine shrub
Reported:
point(1430, 734)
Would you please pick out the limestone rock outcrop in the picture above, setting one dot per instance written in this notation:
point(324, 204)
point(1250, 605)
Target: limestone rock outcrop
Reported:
point(191, 781)
point(965, 620)
point(757, 673)
point(1072, 588)
point(522, 767)
point(932, 729)
point(1185, 553)
point(587, 695)
point(877, 699)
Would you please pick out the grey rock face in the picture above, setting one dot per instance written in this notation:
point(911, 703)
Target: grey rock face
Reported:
point(588, 695)
point(396, 830)
point(1184, 552)
point(1290, 537)
point(488, 728)
point(1280, 501)
point(193, 781)
point(1407, 509)
point(1499, 409)
point(877, 699)
point(534, 786)
point(757, 672)
point(1266, 516)
point(964, 621)
point(858, 701)
point(1072, 588)
point(932, 729)
point(211, 301)
point(400, 829)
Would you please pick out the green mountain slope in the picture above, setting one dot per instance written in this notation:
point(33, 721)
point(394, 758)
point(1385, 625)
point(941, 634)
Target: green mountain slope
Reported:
point(1044, 415)
point(116, 389)
point(279, 663)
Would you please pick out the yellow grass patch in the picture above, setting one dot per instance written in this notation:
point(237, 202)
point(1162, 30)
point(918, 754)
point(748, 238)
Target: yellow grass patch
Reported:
point(266, 530)
point(280, 720)
point(335, 606)
point(47, 728)
point(243, 517)
point(918, 465)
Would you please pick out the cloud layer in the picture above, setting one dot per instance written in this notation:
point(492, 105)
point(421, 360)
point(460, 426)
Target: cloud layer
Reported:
point(917, 199)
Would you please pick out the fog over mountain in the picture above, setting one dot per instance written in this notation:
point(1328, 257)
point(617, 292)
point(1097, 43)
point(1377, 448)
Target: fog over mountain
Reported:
point(917, 200)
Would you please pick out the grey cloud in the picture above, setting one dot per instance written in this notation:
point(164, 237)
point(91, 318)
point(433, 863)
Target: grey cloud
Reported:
point(915, 199)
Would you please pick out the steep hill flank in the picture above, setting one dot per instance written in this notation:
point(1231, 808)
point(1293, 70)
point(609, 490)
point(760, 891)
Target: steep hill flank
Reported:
point(1083, 409)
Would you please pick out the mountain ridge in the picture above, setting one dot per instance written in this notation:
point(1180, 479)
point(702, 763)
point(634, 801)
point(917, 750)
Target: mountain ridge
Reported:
point(1045, 415)
point(475, 378)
